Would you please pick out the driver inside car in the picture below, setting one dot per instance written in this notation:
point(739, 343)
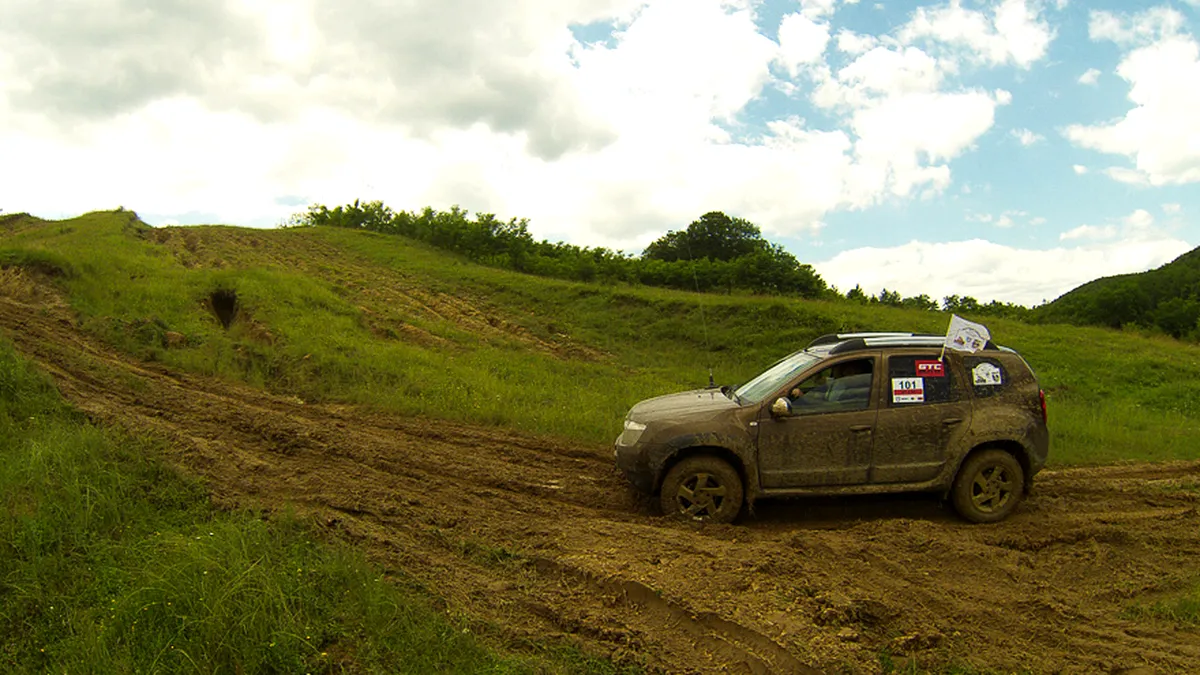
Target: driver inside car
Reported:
point(847, 384)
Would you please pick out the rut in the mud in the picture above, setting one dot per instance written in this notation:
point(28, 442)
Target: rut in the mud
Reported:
point(533, 537)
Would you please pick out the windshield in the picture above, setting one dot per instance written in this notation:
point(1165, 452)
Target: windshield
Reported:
point(775, 377)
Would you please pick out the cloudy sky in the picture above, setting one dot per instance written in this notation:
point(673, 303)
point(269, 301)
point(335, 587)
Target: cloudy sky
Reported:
point(1007, 149)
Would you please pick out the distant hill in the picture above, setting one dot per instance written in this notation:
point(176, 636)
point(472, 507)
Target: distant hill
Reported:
point(1167, 298)
point(342, 315)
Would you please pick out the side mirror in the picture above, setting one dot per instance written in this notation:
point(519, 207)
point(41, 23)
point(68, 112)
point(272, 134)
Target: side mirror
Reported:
point(781, 407)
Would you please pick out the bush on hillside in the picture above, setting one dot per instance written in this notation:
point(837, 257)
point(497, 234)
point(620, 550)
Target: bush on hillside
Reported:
point(730, 253)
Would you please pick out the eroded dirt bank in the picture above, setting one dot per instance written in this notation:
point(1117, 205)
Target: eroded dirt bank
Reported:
point(534, 538)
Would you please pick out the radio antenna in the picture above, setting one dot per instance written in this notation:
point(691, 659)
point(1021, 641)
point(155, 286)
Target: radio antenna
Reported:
point(703, 321)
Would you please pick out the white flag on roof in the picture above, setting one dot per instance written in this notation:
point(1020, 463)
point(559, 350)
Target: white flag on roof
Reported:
point(966, 336)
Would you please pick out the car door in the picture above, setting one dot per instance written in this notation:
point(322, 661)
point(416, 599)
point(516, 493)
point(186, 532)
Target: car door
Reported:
point(826, 440)
point(924, 412)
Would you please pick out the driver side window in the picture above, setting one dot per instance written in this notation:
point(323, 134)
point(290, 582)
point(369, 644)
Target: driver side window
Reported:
point(841, 387)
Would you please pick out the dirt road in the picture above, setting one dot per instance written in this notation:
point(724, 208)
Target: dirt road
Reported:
point(529, 537)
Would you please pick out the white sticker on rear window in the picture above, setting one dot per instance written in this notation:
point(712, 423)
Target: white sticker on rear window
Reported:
point(908, 390)
point(986, 375)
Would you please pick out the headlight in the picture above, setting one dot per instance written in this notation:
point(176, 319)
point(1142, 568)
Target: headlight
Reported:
point(633, 431)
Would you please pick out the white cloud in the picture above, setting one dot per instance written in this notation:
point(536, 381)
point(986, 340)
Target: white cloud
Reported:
point(1139, 220)
point(879, 73)
point(993, 272)
point(816, 9)
point(1014, 32)
point(1037, 220)
point(1090, 77)
point(855, 43)
point(1161, 134)
point(1089, 232)
point(989, 271)
point(1137, 226)
point(905, 127)
point(802, 41)
point(420, 66)
point(1172, 209)
point(1079, 169)
point(1006, 219)
point(677, 58)
point(895, 135)
point(1125, 175)
point(1149, 26)
point(1026, 137)
point(1009, 218)
point(676, 71)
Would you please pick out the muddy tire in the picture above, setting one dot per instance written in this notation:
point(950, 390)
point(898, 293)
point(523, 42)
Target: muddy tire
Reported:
point(988, 487)
point(702, 488)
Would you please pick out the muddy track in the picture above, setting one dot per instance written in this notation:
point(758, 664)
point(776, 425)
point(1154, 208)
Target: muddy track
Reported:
point(529, 538)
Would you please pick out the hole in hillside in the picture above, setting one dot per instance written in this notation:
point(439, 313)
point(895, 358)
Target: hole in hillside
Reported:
point(225, 306)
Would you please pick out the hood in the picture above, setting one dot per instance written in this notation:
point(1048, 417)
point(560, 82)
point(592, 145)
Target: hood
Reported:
point(683, 403)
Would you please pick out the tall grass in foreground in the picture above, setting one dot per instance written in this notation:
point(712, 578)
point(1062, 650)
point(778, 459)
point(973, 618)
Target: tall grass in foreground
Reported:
point(110, 563)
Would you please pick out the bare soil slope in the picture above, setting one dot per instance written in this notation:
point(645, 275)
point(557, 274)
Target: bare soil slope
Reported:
point(529, 537)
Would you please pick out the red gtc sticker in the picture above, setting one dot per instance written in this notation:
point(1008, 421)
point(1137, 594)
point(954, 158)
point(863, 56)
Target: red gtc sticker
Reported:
point(930, 369)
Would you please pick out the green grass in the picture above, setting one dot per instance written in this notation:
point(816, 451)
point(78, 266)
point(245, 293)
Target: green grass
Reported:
point(44, 262)
point(1181, 608)
point(109, 562)
point(331, 314)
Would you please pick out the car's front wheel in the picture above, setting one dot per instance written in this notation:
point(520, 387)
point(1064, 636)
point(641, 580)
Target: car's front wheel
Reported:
point(989, 486)
point(702, 488)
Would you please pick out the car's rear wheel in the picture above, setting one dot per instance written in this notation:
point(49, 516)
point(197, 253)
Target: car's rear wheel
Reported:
point(702, 488)
point(989, 486)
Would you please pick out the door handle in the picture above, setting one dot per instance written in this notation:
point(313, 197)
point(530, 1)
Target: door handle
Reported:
point(861, 427)
point(951, 420)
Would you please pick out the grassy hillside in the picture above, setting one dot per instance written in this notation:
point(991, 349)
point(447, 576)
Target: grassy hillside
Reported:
point(1166, 299)
point(337, 314)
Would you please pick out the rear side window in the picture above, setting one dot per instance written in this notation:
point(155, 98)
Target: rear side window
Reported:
point(986, 375)
point(918, 380)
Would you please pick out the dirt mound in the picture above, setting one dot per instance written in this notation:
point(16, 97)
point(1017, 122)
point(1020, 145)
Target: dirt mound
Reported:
point(530, 537)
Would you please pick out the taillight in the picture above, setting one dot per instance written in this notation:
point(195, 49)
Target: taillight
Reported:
point(1042, 399)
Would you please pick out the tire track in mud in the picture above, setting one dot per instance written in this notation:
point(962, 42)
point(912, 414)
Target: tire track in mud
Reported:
point(530, 538)
point(420, 495)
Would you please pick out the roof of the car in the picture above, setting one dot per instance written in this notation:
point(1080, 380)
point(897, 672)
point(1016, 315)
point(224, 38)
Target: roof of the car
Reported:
point(840, 343)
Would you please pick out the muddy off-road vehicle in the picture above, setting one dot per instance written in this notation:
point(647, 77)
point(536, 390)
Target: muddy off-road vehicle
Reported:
point(861, 413)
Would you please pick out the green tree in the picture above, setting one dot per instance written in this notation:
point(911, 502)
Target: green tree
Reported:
point(955, 303)
point(922, 301)
point(1119, 304)
point(1177, 316)
point(890, 298)
point(369, 216)
point(715, 236)
point(774, 270)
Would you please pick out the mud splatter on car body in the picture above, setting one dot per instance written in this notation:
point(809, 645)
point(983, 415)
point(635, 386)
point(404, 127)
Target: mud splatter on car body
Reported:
point(865, 414)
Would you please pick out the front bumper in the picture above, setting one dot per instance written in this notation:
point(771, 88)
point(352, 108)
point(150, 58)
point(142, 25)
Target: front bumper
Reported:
point(631, 460)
